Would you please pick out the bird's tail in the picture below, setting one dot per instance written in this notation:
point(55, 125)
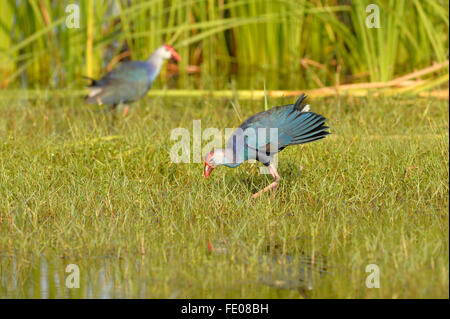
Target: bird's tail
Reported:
point(93, 81)
point(301, 104)
point(306, 126)
point(95, 91)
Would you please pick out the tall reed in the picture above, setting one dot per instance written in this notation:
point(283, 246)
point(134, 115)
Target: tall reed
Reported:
point(286, 43)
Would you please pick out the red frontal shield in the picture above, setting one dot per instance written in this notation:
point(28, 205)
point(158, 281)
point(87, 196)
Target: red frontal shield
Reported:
point(208, 167)
point(172, 51)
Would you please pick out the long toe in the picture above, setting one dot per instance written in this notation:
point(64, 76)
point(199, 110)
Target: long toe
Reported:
point(126, 110)
point(273, 186)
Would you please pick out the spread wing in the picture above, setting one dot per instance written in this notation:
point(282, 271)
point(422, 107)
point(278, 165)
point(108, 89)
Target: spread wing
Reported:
point(271, 131)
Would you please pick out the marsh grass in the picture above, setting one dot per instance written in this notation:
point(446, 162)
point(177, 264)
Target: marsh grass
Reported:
point(299, 43)
point(79, 188)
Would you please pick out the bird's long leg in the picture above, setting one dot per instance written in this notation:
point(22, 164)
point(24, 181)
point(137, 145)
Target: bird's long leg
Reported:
point(122, 107)
point(273, 185)
point(125, 110)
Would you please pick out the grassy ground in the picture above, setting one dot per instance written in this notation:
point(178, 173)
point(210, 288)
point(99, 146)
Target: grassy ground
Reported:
point(76, 188)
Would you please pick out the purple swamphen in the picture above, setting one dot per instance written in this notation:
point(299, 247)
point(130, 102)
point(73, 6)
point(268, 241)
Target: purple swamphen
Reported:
point(130, 81)
point(265, 134)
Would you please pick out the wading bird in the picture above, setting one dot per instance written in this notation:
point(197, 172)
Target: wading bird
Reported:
point(264, 134)
point(130, 81)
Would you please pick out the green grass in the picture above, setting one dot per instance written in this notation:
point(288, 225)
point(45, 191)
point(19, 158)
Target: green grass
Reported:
point(77, 188)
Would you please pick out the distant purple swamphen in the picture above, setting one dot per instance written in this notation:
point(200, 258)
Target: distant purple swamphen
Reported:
point(264, 134)
point(130, 81)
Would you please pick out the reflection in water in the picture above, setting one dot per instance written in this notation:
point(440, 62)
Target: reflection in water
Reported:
point(293, 272)
point(109, 277)
point(283, 271)
point(46, 278)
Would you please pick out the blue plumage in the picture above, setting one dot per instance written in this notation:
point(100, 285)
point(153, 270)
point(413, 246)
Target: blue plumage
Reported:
point(264, 134)
point(130, 80)
point(127, 83)
point(267, 133)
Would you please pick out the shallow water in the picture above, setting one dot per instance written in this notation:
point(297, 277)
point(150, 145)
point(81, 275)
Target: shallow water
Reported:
point(106, 277)
point(55, 278)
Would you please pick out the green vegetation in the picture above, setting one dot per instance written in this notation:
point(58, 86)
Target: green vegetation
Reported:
point(293, 43)
point(78, 187)
point(85, 187)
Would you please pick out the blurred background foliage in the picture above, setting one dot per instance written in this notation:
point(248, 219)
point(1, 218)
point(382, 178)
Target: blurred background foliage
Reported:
point(287, 44)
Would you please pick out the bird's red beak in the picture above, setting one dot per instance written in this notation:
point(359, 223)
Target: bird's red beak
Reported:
point(208, 170)
point(174, 53)
point(208, 167)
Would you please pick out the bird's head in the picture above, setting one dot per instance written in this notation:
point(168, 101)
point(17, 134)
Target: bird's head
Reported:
point(212, 160)
point(168, 52)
